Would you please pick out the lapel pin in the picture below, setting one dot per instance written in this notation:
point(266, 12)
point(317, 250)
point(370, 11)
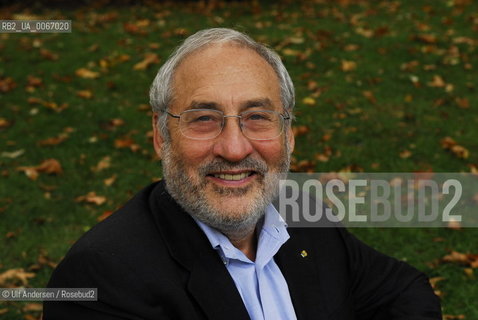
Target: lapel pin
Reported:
point(303, 253)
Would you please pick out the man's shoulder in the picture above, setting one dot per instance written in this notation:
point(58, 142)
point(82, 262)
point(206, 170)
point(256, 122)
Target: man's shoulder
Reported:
point(132, 223)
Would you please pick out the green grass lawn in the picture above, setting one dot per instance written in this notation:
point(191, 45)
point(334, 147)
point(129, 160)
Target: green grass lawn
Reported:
point(379, 85)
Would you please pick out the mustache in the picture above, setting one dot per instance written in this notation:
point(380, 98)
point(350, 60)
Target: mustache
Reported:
point(220, 164)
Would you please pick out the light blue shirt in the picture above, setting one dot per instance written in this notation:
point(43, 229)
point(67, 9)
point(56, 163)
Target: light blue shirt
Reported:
point(260, 283)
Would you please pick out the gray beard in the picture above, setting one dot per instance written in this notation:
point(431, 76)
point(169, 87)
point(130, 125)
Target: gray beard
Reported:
point(190, 195)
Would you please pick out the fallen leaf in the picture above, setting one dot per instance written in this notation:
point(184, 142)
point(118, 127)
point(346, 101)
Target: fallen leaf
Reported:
point(149, 58)
point(54, 140)
point(13, 154)
point(290, 52)
point(10, 278)
point(4, 123)
point(300, 130)
point(309, 101)
point(369, 96)
point(104, 215)
point(405, 154)
point(7, 84)
point(86, 74)
point(85, 94)
point(462, 103)
point(348, 66)
point(3, 311)
point(29, 307)
point(47, 54)
point(426, 38)
point(467, 259)
point(33, 81)
point(103, 164)
point(454, 224)
point(453, 317)
point(437, 82)
point(448, 143)
point(109, 181)
point(49, 166)
point(469, 273)
point(91, 197)
point(460, 152)
point(127, 143)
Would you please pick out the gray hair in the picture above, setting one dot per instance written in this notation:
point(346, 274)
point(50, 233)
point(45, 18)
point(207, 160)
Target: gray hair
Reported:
point(161, 91)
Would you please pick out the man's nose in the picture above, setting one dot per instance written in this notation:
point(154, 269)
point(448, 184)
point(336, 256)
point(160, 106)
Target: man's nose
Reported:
point(232, 144)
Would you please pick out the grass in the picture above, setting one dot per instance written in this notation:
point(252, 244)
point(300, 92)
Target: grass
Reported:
point(40, 219)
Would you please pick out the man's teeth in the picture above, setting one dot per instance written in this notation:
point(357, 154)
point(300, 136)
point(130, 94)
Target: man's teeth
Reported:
point(233, 177)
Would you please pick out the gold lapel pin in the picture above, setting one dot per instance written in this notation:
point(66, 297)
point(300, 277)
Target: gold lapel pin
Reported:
point(303, 253)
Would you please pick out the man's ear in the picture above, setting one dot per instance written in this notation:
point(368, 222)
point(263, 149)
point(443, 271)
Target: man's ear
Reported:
point(291, 139)
point(158, 139)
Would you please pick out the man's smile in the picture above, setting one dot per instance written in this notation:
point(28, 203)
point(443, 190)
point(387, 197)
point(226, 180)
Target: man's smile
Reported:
point(232, 178)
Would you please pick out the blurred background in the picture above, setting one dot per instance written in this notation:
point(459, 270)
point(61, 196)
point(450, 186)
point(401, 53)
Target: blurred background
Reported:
point(382, 86)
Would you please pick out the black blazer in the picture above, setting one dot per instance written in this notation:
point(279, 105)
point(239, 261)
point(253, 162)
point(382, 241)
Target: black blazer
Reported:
point(150, 260)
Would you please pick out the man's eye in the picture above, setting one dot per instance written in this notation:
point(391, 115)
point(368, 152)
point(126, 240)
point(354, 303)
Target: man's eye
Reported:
point(203, 119)
point(258, 117)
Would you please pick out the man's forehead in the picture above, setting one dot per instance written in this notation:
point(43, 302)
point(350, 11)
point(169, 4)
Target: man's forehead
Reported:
point(225, 67)
point(221, 58)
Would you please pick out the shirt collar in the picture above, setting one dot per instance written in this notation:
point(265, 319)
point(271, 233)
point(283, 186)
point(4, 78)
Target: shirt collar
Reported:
point(274, 227)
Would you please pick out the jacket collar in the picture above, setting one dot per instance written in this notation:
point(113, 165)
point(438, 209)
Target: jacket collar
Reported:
point(209, 281)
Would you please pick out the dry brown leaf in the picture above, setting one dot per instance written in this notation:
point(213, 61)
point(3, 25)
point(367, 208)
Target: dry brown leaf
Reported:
point(50, 166)
point(13, 154)
point(47, 54)
point(86, 74)
point(447, 142)
point(7, 84)
point(467, 259)
point(85, 94)
point(15, 275)
point(33, 81)
point(109, 181)
point(127, 143)
point(462, 103)
point(426, 38)
point(104, 215)
point(103, 164)
point(460, 152)
point(91, 197)
point(4, 123)
point(348, 66)
point(453, 317)
point(149, 58)
point(369, 96)
point(469, 273)
point(300, 130)
point(309, 101)
point(454, 224)
point(437, 82)
point(116, 122)
point(54, 140)
point(3, 311)
point(290, 52)
point(32, 307)
point(405, 154)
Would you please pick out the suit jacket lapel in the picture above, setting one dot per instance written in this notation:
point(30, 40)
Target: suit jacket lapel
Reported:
point(209, 282)
point(300, 270)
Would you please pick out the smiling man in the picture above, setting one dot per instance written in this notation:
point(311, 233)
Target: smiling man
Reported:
point(205, 242)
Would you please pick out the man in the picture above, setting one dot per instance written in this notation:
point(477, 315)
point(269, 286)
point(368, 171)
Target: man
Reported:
point(206, 243)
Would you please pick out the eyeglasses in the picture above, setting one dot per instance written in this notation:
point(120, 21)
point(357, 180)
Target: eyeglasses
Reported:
point(204, 124)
